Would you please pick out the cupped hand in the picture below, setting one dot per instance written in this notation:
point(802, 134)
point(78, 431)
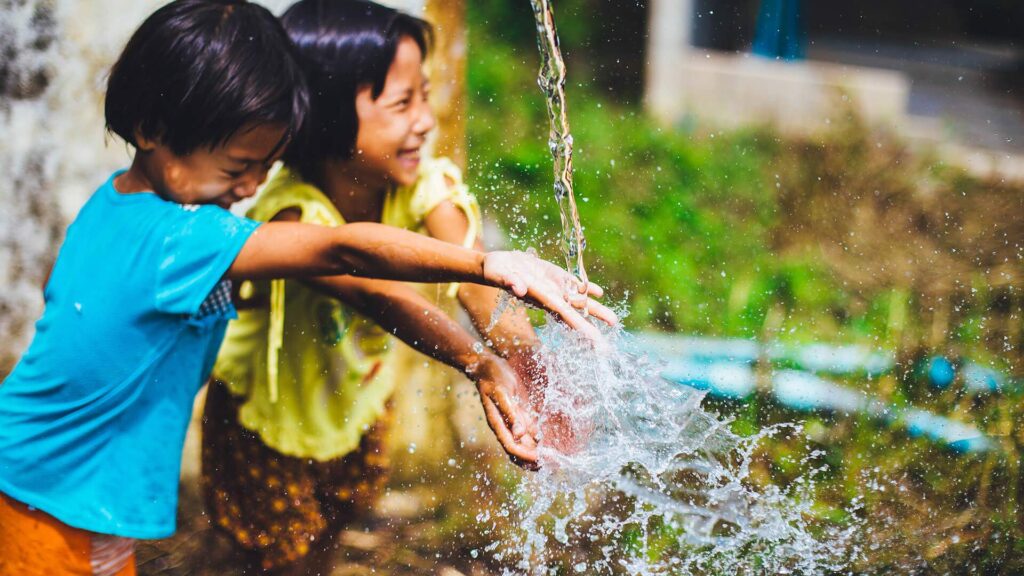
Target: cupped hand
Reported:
point(558, 429)
point(543, 284)
point(508, 416)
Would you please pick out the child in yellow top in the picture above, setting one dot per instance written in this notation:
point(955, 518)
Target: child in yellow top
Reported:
point(297, 409)
point(310, 368)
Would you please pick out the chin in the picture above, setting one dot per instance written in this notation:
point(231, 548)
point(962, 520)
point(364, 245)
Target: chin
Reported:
point(405, 179)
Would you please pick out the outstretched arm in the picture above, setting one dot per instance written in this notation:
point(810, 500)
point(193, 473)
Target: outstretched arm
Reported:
point(404, 312)
point(291, 249)
point(512, 336)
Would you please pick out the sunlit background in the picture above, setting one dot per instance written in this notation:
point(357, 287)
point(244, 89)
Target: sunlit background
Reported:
point(814, 212)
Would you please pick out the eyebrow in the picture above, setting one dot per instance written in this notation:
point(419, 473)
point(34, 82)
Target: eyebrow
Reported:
point(404, 93)
point(244, 160)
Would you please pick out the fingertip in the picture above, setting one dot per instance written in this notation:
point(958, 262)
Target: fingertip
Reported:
point(603, 313)
point(525, 458)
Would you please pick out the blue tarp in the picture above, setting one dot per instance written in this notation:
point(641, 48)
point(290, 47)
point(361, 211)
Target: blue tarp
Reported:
point(780, 31)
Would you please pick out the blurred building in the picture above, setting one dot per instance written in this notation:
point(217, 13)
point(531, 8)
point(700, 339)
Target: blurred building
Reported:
point(948, 74)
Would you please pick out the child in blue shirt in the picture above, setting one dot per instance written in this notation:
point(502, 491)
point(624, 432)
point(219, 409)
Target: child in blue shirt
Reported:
point(93, 418)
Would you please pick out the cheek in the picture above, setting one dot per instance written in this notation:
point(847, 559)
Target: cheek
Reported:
point(176, 177)
point(381, 135)
point(196, 181)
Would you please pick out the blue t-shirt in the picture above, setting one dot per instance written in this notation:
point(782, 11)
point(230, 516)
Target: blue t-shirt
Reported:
point(93, 417)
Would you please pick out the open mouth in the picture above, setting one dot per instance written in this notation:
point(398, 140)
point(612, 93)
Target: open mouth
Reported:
point(410, 155)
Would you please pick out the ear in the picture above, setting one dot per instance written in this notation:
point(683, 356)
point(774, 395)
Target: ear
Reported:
point(144, 143)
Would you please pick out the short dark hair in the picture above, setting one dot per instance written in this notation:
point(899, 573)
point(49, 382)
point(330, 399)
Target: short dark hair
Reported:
point(197, 71)
point(342, 46)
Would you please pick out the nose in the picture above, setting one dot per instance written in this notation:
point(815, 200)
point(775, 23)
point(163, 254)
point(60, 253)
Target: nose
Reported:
point(251, 182)
point(247, 188)
point(425, 122)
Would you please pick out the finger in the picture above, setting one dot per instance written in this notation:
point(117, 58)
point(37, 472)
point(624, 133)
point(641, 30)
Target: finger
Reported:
point(577, 300)
point(516, 420)
point(526, 452)
point(594, 290)
point(517, 285)
point(602, 312)
point(576, 321)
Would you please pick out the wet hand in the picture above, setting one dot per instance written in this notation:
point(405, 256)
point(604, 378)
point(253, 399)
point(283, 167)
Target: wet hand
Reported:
point(507, 415)
point(545, 285)
point(558, 430)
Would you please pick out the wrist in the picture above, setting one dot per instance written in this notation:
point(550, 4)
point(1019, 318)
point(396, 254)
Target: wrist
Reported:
point(485, 269)
point(477, 363)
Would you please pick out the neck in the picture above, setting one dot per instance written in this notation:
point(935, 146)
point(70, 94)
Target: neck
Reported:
point(136, 178)
point(358, 197)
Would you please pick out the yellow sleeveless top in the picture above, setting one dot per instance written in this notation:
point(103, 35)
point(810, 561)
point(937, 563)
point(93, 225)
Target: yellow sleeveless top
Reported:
point(312, 373)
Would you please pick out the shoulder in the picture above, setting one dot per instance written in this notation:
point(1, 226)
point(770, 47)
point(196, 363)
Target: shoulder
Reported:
point(286, 191)
point(441, 172)
point(206, 218)
point(440, 180)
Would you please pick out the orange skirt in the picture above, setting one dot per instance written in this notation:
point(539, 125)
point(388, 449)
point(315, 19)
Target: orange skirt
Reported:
point(33, 543)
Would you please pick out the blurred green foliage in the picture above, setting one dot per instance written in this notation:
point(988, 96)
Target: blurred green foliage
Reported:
point(846, 236)
point(666, 215)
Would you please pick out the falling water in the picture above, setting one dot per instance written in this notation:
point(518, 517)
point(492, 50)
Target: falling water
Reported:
point(551, 80)
point(636, 477)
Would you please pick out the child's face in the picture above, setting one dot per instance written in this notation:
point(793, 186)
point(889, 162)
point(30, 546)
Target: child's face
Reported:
point(393, 128)
point(222, 175)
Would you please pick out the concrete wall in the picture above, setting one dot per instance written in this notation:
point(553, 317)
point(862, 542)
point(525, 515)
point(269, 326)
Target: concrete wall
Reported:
point(731, 89)
point(687, 85)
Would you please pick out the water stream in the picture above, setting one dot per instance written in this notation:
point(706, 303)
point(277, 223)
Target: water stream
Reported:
point(551, 80)
point(636, 476)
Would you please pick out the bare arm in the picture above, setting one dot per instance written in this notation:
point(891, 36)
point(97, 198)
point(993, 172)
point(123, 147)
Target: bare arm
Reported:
point(512, 336)
point(404, 312)
point(291, 249)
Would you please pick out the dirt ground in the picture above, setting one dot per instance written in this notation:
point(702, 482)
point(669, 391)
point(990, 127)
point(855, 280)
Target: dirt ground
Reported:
point(388, 543)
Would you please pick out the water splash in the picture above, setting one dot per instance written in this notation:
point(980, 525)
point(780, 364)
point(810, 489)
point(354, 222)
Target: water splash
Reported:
point(642, 480)
point(551, 80)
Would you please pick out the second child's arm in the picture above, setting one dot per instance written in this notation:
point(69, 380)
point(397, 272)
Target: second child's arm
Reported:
point(291, 249)
point(512, 335)
point(399, 309)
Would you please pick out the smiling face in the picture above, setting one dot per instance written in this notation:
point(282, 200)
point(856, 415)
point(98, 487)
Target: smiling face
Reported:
point(394, 126)
point(222, 175)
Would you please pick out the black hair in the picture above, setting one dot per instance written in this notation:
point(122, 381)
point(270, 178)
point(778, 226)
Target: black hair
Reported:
point(198, 71)
point(342, 45)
